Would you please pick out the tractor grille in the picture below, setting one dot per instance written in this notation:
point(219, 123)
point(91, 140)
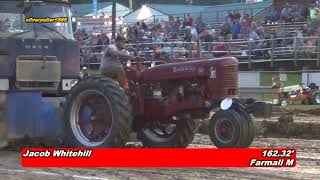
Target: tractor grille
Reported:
point(230, 79)
point(38, 73)
point(31, 85)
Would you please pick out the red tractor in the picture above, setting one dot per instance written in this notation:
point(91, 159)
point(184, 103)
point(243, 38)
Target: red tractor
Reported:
point(163, 105)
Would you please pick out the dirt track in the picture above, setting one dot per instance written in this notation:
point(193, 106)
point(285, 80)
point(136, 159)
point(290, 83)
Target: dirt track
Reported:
point(308, 166)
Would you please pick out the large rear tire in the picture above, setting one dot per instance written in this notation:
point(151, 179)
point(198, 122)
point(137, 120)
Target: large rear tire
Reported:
point(180, 136)
point(228, 130)
point(97, 114)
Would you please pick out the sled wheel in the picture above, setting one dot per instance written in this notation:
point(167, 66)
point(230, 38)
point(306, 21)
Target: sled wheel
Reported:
point(97, 114)
point(177, 132)
point(315, 98)
point(284, 103)
point(226, 130)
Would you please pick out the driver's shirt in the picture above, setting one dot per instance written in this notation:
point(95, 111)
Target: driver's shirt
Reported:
point(109, 58)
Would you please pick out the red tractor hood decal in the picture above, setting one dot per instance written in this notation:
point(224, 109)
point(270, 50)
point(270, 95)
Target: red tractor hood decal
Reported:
point(187, 69)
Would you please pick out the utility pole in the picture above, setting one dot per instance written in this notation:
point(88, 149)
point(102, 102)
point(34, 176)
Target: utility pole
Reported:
point(114, 19)
point(130, 5)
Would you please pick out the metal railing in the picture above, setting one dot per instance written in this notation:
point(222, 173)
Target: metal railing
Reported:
point(247, 52)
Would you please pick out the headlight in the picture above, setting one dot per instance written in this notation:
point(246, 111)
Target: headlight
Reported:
point(226, 104)
point(129, 64)
point(67, 84)
point(153, 64)
point(73, 83)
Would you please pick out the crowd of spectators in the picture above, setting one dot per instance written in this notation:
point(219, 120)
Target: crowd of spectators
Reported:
point(236, 27)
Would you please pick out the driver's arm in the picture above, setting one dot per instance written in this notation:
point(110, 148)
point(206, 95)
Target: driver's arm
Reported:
point(119, 54)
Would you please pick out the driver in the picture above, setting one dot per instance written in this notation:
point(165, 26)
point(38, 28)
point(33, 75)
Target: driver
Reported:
point(111, 65)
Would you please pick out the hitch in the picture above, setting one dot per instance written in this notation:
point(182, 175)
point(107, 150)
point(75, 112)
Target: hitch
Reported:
point(259, 109)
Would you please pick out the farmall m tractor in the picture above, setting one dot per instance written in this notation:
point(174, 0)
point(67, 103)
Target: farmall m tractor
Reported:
point(163, 105)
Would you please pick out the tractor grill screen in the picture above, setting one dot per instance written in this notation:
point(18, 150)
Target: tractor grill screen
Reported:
point(230, 80)
point(38, 73)
point(27, 85)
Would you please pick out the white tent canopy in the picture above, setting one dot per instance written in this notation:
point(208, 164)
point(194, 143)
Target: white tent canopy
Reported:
point(146, 14)
point(121, 11)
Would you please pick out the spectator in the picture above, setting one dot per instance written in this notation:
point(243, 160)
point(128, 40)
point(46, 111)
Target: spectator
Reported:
point(286, 13)
point(189, 20)
point(188, 36)
point(260, 29)
point(144, 26)
point(253, 35)
point(99, 44)
point(236, 29)
point(220, 50)
point(314, 12)
point(298, 42)
point(194, 34)
point(304, 11)
point(225, 29)
point(311, 45)
point(254, 26)
point(273, 17)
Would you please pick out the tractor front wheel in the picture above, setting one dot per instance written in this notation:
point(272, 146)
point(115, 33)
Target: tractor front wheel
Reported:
point(177, 132)
point(232, 128)
point(97, 114)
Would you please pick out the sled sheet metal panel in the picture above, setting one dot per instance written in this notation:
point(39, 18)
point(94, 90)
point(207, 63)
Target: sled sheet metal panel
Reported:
point(308, 78)
point(28, 116)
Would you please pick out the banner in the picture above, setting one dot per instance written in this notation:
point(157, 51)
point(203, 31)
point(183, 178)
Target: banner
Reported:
point(144, 158)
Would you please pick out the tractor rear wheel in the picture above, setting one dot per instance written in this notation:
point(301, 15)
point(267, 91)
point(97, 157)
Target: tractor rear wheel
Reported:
point(315, 97)
point(97, 114)
point(228, 129)
point(178, 132)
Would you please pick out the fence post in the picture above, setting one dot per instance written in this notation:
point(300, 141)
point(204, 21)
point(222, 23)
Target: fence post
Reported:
point(171, 48)
point(190, 49)
point(154, 20)
point(295, 53)
point(250, 50)
point(272, 49)
point(318, 52)
point(251, 12)
point(199, 44)
point(229, 48)
point(217, 17)
point(154, 50)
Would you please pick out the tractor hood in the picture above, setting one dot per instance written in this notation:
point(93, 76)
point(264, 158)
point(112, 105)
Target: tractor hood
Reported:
point(66, 51)
point(187, 69)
